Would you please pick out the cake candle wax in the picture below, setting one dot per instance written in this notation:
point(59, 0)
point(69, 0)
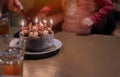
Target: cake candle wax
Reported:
point(51, 23)
point(45, 23)
point(22, 24)
point(41, 26)
point(30, 26)
point(36, 20)
point(36, 24)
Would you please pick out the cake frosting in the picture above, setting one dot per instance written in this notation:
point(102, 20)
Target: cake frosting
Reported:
point(38, 37)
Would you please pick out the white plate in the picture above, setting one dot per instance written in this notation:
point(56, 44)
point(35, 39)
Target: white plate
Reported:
point(57, 45)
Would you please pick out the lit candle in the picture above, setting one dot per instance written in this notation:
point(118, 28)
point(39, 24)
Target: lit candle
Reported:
point(41, 26)
point(45, 22)
point(36, 20)
point(36, 24)
point(22, 24)
point(51, 23)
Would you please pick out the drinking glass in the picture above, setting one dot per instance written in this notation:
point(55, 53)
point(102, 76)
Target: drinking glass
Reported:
point(4, 25)
point(11, 57)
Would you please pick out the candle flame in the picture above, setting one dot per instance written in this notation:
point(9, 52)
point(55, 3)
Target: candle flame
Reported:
point(36, 20)
point(45, 21)
point(41, 24)
point(51, 21)
point(22, 23)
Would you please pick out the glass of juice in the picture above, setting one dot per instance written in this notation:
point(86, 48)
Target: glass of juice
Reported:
point(11, 57)
point(4, 25)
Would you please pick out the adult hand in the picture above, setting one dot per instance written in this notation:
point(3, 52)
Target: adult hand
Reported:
point(14, 5)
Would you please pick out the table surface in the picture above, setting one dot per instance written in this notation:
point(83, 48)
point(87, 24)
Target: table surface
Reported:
point(79, 56)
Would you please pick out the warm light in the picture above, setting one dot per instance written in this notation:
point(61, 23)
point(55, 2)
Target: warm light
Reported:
point(36, 20)
point(51, 22)
point(22, 23)
point(41, 24)
point(45, 21)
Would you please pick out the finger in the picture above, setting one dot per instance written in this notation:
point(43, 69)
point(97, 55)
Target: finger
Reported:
point(85, 31)
point(10, 5)
point(18, 4)
point(88, 30)
point(13, 8)
point(86, 26)
point(17, 10)
point(83, 26)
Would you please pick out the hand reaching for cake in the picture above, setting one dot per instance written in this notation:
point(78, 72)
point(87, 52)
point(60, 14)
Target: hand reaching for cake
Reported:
point(15, 6)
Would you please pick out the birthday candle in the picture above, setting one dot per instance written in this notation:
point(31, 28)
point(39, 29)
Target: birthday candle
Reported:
point(36, 20)
point(51, 23)
point(41, 25)
point(22, 24)
point(36, 24)
point(45, 23)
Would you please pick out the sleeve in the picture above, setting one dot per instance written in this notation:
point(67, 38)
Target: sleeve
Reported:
point(106, 8)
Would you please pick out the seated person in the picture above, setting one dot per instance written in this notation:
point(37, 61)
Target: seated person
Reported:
point(116, 13)
point(89, 16)
point(46, 10)
point(80, 16)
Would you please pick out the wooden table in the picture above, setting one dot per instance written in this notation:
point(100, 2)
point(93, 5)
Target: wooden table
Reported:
point(80, 56)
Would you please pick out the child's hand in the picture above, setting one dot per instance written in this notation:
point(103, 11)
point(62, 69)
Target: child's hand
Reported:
point(85, 26)
point(86, 23)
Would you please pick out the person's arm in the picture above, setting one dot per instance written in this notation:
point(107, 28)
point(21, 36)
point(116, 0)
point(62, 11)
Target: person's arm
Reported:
point(14, 6)
point(50, 9)
point(57, 17)
point(106, 7)
point(53, 11)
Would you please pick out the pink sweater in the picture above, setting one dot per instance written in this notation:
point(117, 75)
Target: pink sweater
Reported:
point(106, 7)
point(96, 10)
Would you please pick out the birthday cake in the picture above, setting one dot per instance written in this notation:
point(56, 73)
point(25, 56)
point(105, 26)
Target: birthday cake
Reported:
point(38, 37)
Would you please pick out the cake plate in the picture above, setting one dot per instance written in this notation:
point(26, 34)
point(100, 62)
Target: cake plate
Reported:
point(44, 53)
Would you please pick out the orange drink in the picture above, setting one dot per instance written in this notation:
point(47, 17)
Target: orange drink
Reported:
point(11, 57)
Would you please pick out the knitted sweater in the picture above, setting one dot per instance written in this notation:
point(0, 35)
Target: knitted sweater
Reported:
point(96, 10)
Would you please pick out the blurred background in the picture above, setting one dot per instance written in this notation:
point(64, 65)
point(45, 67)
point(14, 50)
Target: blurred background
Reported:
point(32, 7)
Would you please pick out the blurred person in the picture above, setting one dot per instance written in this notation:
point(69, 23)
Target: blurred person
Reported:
point(116, 9)
point(87, 16)
point(116, 3)
point(34, 9)
point(80, 16)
